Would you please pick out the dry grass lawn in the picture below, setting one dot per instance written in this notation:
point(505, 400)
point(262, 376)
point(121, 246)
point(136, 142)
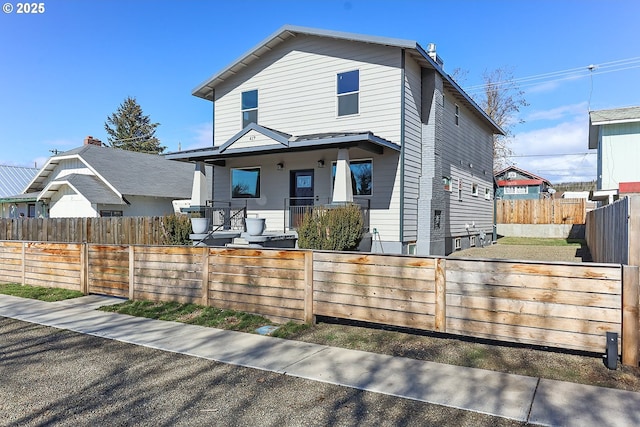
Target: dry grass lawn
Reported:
point(504, 357)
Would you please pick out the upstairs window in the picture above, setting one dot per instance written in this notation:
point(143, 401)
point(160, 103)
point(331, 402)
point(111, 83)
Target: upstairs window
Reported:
point(249, 107)
point(457, 116)
point(348, 93)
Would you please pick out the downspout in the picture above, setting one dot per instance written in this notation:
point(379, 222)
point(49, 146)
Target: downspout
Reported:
point(402, 149)
point(213, 140)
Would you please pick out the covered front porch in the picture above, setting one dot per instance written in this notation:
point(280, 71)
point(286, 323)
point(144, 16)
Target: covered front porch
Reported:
point(265, 174)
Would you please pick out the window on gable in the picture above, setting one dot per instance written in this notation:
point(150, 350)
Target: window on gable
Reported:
point(348, 93)
point(245, 183)
point(459, 189)
point(249, 107)
point(457, 118)
point(474, 189)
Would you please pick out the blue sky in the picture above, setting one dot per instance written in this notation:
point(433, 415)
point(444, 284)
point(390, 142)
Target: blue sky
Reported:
point(63, 72)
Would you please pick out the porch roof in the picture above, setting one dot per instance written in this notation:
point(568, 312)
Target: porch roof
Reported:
point(20, 198)
point(283, 142)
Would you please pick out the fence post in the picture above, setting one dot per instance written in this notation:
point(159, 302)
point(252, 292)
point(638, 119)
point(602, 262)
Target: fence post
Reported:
point(131, 272)
point(205, 276)
point(84, 269)
point(441, 295)
point(309, 316)
point(630, 319)
point(24, 263)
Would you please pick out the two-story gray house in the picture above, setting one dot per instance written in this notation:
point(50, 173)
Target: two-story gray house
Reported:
point(305, 104)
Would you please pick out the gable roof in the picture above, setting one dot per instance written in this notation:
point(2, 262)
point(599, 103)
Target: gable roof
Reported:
point(532, 179)
point(610, 117)
point(13, 179)
point(91, 187)
point(206, 89)
point(122, 172)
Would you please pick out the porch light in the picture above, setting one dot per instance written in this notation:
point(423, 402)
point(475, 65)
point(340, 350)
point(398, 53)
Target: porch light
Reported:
point(280, 166)
point(320, 163)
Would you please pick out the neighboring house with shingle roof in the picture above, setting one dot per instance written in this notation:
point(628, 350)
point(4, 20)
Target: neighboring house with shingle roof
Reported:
point(615, 133)
point(515, 183)
point(13, 179)
point(96, 181)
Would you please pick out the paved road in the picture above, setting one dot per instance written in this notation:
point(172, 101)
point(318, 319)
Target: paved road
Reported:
point(58, 377)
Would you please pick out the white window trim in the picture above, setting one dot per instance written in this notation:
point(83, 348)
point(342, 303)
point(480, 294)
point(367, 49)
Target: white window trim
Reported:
point(487, 194)
point(338, 116)
point(472, 241)
point(516, 189)
point(457, 243)
point(242, 110)
point(475, 190)
point(459, 185)
point(456, 114)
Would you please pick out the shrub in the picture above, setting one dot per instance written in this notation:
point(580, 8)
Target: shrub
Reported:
point(176, 230)
point(336, 228)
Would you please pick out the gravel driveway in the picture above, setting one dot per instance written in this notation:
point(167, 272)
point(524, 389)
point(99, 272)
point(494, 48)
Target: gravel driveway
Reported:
point(57, 377)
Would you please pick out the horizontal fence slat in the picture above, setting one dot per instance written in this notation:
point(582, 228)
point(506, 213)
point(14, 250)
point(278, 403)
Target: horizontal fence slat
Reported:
point(370, 291)
point(369, 314)
point(567, 305)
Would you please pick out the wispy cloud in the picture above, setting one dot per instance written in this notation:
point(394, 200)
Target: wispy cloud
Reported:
point(557, 153)
point(201, 136)
point(564, 111)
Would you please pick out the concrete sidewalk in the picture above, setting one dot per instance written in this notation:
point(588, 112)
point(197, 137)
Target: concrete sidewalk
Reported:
point(534, 400)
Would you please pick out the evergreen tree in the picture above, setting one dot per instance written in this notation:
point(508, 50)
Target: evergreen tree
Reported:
point(129, 129)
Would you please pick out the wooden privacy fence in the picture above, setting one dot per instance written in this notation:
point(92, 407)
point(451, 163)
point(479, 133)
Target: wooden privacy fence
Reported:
point(114, 230)
point(566, 305)
point(613, 232)
point(541, 211)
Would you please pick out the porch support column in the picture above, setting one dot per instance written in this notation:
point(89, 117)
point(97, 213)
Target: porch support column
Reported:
point(199, 189)
point(342, 189)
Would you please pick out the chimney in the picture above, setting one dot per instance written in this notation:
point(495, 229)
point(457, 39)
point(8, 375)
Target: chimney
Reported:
point(431, 51)
point(92, 141)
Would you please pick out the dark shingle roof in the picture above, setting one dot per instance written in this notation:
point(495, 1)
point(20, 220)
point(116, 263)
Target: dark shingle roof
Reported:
point(131, 173)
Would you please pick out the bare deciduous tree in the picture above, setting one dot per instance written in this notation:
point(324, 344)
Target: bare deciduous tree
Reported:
point(502, 100)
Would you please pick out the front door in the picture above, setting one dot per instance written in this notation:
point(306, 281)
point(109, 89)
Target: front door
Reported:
point(301, 195)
